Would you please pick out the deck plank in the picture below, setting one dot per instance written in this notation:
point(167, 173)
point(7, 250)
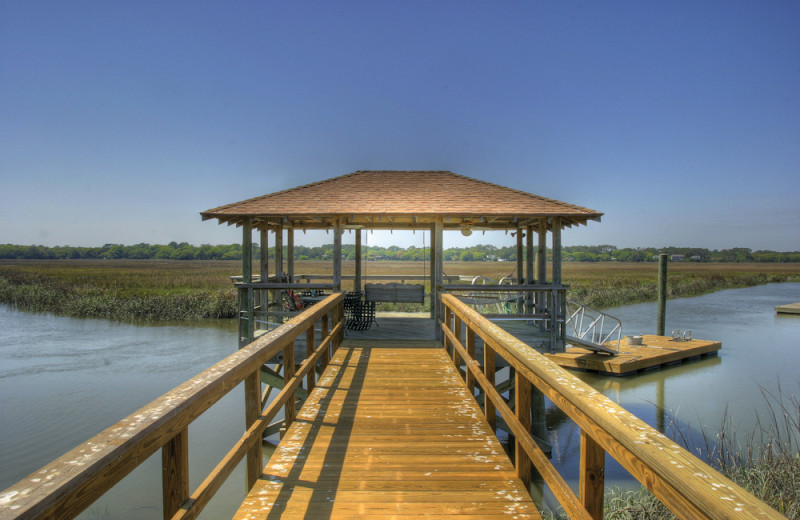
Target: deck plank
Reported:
point(389, 432)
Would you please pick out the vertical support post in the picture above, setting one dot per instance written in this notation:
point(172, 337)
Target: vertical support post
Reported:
point(522, 298)
point(357, 282)
point(432, 270)
point(529, 276)
point(448, 315)
point(489, 372)
point(264, 260)
point(662, 294)
point(522, 409)
point(279, 254)
point(438, 269)
point(592, 476)
point(175, 472)
point(290, 409)
point(471, 351)
point(310, 347)
point(325, 326)
point(457, 334)
point(520, 272)
point(541, 269)
point(337, 253)
point(557, 325)
point(247, 277)
point(290, 253)
point(252, 410)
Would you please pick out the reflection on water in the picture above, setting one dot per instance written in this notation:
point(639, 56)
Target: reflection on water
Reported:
point(760, 350)
point(50, 363)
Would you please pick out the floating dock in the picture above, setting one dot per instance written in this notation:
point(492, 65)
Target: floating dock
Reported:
point(789, 308)
point(654, 352)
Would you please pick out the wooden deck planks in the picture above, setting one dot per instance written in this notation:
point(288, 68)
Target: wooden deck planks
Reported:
point(389, 432)
point(655, 351)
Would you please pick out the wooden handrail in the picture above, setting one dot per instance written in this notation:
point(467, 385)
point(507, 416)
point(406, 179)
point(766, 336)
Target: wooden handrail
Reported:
point(689, 487)
point(68, 485)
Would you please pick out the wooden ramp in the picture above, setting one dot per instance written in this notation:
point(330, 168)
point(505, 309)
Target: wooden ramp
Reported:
point(391, 431)
point(789, 308)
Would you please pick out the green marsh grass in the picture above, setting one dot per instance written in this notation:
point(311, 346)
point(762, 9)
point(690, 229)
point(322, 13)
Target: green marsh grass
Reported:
point(168, 290)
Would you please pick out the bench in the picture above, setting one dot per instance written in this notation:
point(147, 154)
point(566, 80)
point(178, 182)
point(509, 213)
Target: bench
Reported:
point(394, 293)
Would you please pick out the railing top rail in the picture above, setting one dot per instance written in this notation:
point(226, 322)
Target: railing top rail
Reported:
point(503, 287)
point(70, 483)
point(688, 486)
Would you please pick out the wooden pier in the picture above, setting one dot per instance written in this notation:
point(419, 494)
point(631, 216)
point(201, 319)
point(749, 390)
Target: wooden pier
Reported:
point(390, 429)
point(654, 352)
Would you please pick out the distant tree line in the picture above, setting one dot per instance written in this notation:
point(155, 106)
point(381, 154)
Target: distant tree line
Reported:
point(479, 253)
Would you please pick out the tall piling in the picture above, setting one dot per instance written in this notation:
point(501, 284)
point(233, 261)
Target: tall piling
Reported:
point(662, 293)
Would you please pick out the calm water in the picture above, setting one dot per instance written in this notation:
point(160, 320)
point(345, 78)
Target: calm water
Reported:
point(63, 380)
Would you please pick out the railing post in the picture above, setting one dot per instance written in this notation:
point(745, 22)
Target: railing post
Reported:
point(488, 371)
point(448, 315)
point(522, 409)
point(457, 334)
point(592, 476)
point(311, 378)
point(175, 472)
point(252, 398)
point(288, 374)
point(326, 355)
point(471, 351)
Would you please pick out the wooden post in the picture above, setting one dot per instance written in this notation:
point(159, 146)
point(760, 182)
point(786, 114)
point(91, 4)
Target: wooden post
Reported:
point(592, 476)
point(520, 272)
point(662, 294)
point(247, 276)
point(457, 334)
point(175, 472)
point(279, 254)
point(252, 410)
point(263, 299)
point(290, 253)
point(325, 326)
point(432, 270)
point(522, 409)
point(438, 269)
point(357, 282)
point(288, 373)
point(529, 276)
point(557, 338)
point(337, 253)
point(541, 269)
point(471, 351)
point(489, 372)
point(448, 315)
point(310, 347)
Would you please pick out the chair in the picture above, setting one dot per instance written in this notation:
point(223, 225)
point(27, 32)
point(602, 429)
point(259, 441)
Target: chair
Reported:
point(358, 314)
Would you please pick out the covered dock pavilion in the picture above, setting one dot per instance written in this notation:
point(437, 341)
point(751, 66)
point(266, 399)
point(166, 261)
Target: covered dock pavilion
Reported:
point(434, 201)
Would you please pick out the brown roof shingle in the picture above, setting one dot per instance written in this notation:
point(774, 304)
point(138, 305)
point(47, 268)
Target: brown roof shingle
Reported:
point(412, 197)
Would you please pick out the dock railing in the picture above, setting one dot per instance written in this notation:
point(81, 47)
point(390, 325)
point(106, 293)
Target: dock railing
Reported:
point(71, 483)
point(690, 488)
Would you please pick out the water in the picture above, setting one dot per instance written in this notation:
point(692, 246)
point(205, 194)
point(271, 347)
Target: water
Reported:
point(760, 352)
point(63, 380)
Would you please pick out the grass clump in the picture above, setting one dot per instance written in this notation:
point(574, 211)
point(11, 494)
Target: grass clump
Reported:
point(766, 463)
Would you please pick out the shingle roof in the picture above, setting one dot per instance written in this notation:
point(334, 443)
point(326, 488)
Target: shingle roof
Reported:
point(385, 199)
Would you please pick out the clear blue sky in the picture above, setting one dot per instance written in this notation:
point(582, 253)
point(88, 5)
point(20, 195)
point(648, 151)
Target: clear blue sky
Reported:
point(121, 121)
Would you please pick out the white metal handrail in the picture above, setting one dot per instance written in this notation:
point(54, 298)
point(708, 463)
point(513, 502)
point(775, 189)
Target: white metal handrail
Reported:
point(586, 321)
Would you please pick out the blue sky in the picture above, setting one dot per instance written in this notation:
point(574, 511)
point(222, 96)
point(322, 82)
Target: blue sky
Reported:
point(120, 122)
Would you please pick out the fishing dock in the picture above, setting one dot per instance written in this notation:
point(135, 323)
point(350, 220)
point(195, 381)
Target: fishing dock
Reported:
point(390, 418)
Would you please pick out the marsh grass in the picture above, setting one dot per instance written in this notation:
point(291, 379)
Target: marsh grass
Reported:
point(153, 290)
point(765, 461)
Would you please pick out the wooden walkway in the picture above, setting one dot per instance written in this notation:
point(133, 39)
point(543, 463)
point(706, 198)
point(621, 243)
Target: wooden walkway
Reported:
point(390, 431)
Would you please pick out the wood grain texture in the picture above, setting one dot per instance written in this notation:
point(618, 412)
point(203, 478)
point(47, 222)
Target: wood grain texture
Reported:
point(387, 432)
